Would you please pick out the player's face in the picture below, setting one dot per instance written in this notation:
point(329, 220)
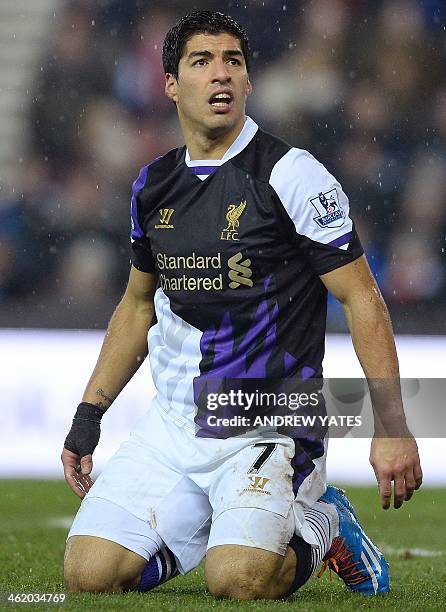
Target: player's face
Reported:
point(212, 85)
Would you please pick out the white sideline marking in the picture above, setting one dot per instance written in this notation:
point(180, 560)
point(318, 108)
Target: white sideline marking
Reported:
point(414, 552)
point(60, 522)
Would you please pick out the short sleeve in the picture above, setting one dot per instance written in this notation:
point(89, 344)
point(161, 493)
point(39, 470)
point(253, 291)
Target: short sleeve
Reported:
point(142, 258)
point(319, 210)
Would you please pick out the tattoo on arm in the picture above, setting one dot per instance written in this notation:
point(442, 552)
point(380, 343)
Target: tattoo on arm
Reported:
point(108, 400)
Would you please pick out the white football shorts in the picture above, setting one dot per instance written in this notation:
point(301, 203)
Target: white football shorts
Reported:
point(195, 493)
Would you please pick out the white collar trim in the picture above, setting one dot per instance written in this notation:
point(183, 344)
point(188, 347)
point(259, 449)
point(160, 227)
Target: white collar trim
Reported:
point(243, 139)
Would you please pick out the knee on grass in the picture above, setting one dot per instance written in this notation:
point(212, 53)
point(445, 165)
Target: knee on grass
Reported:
point(81, 580)
point(241, 587)
point(95, 567)
point(242, 575)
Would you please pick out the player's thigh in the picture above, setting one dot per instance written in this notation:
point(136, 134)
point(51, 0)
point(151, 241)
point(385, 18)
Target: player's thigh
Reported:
point(145, 478)
point(107, 547)
point(253, 521)
point(252, 496)
point(276, 474)
point(252, 527)
point(96, 565)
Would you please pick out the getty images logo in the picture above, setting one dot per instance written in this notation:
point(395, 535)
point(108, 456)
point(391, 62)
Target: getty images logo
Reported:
point(239, 271)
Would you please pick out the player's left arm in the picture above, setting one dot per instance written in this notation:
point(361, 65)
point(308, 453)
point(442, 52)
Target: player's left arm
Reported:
point(394, 453)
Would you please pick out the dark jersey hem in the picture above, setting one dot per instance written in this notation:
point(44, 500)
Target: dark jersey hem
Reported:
point(143, 268)
point(340, 264)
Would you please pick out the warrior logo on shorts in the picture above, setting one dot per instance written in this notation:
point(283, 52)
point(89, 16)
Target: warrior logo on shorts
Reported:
point(258, 484)
point(330, 214)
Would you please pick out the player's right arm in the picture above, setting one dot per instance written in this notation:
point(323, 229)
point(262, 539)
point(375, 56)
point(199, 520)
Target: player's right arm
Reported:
point(125, 343)
point(123, 350)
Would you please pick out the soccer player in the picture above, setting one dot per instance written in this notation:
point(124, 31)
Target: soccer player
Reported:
point(236, 239)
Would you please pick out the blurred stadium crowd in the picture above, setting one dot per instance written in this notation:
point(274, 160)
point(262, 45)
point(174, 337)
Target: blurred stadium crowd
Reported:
point(362, 85)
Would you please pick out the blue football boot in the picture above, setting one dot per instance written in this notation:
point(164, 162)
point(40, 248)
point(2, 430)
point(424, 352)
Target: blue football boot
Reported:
point(352, 555)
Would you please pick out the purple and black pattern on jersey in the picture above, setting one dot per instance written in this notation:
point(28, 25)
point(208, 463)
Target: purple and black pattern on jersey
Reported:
point(239, 250)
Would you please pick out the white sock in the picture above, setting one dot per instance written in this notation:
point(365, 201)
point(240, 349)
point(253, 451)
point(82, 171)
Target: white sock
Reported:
point(323, 521)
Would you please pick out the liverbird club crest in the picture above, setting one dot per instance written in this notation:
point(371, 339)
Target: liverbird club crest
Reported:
point(232, 217)
point(329, 213)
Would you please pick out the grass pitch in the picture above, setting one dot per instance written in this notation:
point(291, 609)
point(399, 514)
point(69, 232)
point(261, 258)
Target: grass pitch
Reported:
point(33, 526)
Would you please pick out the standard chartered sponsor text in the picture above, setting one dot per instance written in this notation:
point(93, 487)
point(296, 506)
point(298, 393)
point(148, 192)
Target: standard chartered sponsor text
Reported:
point(190, 262)
point(191, 283)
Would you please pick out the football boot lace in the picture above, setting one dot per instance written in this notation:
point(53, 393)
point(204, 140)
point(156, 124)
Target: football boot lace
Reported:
point(340, 560)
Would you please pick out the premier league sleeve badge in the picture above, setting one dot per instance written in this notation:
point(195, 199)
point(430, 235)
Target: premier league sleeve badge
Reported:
point(329, 211)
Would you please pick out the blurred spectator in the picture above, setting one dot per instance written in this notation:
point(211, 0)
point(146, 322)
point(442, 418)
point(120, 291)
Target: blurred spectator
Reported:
point(362, 85)
point(438, 126)
point(139, 77)
point(415, 272)
point(309, 79)
point(70, 76)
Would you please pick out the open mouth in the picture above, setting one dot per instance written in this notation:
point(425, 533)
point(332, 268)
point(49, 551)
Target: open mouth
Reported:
point(221, 101)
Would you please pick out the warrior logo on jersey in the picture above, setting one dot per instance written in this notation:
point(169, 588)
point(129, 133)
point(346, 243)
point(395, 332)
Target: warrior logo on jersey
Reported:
point(165, 215)
point(232, 217)
point(258, 484)
point(330, 214)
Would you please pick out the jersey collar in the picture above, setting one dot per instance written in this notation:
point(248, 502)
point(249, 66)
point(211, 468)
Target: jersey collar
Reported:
point(207, 166)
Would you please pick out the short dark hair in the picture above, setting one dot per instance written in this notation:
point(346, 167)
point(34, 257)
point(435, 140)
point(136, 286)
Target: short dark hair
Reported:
point(200, 22)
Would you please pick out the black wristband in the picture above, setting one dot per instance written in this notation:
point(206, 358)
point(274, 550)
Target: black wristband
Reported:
point(89, 412)
point(85, 431)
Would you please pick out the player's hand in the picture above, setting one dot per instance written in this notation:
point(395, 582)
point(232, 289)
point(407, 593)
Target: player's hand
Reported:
point(77, 472)
point(82, 439)
point(397, 460)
